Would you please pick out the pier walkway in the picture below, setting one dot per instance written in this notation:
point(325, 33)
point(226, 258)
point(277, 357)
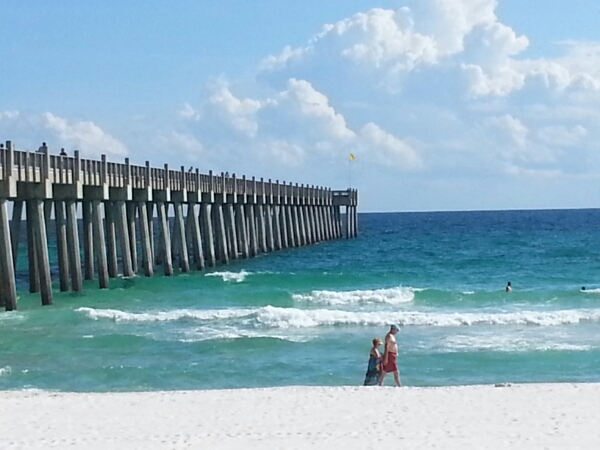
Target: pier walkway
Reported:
point(126, 228)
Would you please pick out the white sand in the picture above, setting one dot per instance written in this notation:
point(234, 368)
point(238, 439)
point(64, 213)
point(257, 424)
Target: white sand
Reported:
point(536, 416)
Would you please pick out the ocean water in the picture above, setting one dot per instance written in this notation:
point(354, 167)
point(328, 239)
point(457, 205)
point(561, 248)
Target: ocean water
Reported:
point(307, 316)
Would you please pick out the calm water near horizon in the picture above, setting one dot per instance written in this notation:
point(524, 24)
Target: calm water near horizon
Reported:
point(307, 316)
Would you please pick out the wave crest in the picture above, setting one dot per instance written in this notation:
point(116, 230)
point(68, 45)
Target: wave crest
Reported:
point(282, 318)
point(393, 296)
point(236, 277)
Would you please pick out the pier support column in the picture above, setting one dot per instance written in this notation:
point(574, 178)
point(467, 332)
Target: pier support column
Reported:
point(15, 230)
point(150, 220)
point(297, 235)
point(41, 250)
point(61, 245)
point(195, 235)
point(252, 230)
point(99, 244)
point(8, 289)
point(240, 218)
point(182, 248)
point(338, 215)
point(262, 238)
point(308, 225)
point(88, 241)
point(232, 228)
point(121, 220)
point(315, 211)
point(321, 222)
point(283, 226)
point(302, 222)
point(348, 224)
point(73, 245)
point(269, 225)
point(165, 238)
point(208, 237)
point(111, 239)
point(34, 277)
point(221, 234)
point(326, 234)
point(131, 210)
point(291, 230)
point(331, 215)
point(147, 260)
point(277, 226)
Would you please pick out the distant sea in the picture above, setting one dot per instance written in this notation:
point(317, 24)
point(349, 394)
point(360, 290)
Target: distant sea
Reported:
point(307, 316)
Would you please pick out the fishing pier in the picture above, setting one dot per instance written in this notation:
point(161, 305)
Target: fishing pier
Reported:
point(126, 228)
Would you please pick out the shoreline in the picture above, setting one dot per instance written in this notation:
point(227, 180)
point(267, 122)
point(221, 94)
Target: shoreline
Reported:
point(528, 416)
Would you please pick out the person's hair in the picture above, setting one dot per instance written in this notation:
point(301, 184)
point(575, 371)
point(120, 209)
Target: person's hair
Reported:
point(377, 341)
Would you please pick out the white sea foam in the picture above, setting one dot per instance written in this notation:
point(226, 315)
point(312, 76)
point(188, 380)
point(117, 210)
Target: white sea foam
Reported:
point(164, 316)
point(507, 343)
point(393, 296)
point(231, 333)
point(236, 277)
point(5, 371)
point(591, 291)
point(283, 318)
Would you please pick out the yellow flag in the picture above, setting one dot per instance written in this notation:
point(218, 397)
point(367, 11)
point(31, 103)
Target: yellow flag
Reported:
point(352, 157)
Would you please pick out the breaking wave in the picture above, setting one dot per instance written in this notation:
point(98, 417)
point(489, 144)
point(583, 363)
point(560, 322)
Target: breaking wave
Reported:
point(283, 318)
point(393, 296)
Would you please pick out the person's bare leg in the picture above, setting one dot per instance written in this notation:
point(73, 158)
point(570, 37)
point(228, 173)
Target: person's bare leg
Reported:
point(397, 378)
point(381, 378)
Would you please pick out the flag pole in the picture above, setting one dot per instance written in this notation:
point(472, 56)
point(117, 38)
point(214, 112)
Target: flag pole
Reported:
point(350, 172)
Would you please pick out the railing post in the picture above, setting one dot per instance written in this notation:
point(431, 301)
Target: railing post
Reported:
point(76, 167)
point(45, 163)
point(10, 160)
point(148, 175)
point(166, 184)
point(211, 181)
point(127, 172)
point(103, 170)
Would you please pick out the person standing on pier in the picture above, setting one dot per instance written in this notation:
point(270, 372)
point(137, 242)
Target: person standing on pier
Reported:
point(390, 356)
point(63, 152)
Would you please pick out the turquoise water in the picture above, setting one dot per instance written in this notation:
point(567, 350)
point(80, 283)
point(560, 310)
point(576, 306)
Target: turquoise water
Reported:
point(307, 316)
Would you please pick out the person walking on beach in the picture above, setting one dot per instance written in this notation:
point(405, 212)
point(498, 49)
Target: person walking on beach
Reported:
point(374, 366)
point(390, 356)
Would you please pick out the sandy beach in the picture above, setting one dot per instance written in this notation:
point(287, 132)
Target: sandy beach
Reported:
point(535, 416)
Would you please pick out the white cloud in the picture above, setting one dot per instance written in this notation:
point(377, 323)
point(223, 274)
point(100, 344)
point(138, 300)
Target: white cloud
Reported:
point(9, 115)
point(286, 153)
point(27, 131)
point(315, 104)
point(85, 136)
point(239, 112)
point(286, 56)
point(189, 112)
point(392, 151)
point(562, 136)
point(512, 127)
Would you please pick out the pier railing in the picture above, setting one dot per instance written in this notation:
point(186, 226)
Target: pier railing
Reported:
point(40, 166)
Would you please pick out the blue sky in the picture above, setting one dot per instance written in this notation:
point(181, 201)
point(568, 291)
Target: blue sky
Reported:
point(446, 104)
